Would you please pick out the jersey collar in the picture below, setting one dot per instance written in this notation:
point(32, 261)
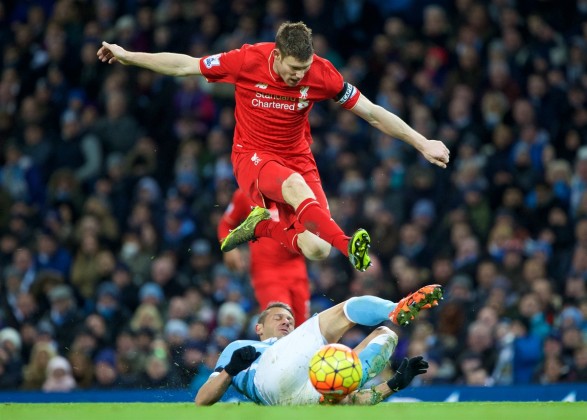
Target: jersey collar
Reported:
point(270, 61)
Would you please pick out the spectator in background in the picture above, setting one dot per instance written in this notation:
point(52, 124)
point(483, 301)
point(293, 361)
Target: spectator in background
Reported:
point(136, 253)
point(158, 374)
point(147, 316)
point(11, 365)
point(109, 308)
point(531, 307)
point(84, 269)
point(35, 371)
point(152, 294)
point(51, 255)
point(59, 376)
point(413, 246)
point(199, 266)
point(63, 315)
point(579, 373)
point(38, 145)
point(11, 288)
point(175, 334)
point(126, 287)
point(26, 310)
point(118, 130)
point(106, 374)
point(164, 273)
point(77, 150)
point(480, 343)
point(82, 369)
point(21, 178)
point(205, 368)
point(552, 371)
point(527, 351)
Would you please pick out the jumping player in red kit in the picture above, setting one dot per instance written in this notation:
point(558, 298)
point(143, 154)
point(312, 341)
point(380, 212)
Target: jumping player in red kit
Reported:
point(276, 85)
point(277, 274)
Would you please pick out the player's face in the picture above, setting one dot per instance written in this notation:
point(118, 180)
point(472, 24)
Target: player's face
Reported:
point(278, 323)
point(291, 70)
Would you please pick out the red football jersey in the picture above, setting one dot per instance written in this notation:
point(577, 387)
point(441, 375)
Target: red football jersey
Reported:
point(270, 115)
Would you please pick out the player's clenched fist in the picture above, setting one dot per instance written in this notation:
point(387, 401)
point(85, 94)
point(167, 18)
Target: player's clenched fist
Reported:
point(241, 359)
point(436, 152)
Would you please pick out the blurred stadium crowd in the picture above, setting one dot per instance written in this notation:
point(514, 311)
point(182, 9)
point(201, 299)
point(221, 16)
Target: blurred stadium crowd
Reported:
point(112, 180)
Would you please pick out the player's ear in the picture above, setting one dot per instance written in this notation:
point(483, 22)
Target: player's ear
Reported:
point(277, 54)
point(259, 329)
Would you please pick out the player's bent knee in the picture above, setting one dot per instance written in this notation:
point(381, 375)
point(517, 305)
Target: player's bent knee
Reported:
point(316, 251)
point(295, 181)
point(384, 330)
point(295, 190)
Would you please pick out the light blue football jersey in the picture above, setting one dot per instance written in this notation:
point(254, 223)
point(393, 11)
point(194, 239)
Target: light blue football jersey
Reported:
point(244, 382)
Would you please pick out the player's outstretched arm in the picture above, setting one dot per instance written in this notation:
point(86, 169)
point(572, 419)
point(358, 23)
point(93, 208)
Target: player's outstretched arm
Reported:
point(434, 151)
point(170, 64)
point(214, 388)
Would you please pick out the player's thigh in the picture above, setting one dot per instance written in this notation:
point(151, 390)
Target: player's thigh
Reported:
point(260, 175)
point(271, 179)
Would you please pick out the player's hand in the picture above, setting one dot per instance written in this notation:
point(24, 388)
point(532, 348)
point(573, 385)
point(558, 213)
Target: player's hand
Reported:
point(112, 53)
point(407, 370)
point(234, 261)
point(436, 152)
point(241, 359)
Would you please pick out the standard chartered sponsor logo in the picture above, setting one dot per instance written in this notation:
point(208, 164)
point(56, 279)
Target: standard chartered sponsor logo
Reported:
point(273, 105)
point(270, 101)
point(278, 97)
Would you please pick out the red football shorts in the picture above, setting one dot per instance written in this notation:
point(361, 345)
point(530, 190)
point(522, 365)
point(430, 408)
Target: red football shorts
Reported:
point(280, 275)
point(248, 168)
point(294, 292)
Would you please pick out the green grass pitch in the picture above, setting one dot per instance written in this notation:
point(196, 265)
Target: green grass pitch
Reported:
point(385, 411)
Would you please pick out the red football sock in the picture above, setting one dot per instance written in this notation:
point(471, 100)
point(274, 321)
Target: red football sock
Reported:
point(318, 221)
point(288, 237)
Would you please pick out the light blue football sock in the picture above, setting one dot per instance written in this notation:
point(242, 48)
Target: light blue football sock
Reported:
point(368, 310)
point(375, 356)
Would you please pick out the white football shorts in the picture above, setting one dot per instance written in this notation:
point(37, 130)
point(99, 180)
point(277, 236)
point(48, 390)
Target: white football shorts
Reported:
point(282, 373)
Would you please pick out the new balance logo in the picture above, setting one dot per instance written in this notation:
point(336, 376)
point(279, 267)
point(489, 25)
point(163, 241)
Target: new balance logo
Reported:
point(261, 85)
point(255, 159)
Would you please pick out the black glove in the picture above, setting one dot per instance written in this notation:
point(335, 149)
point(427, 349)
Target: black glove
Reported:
point(241, 359)
point(407, 370)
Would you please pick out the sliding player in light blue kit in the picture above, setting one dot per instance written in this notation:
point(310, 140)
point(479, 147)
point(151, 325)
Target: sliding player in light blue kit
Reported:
point(274, 370)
